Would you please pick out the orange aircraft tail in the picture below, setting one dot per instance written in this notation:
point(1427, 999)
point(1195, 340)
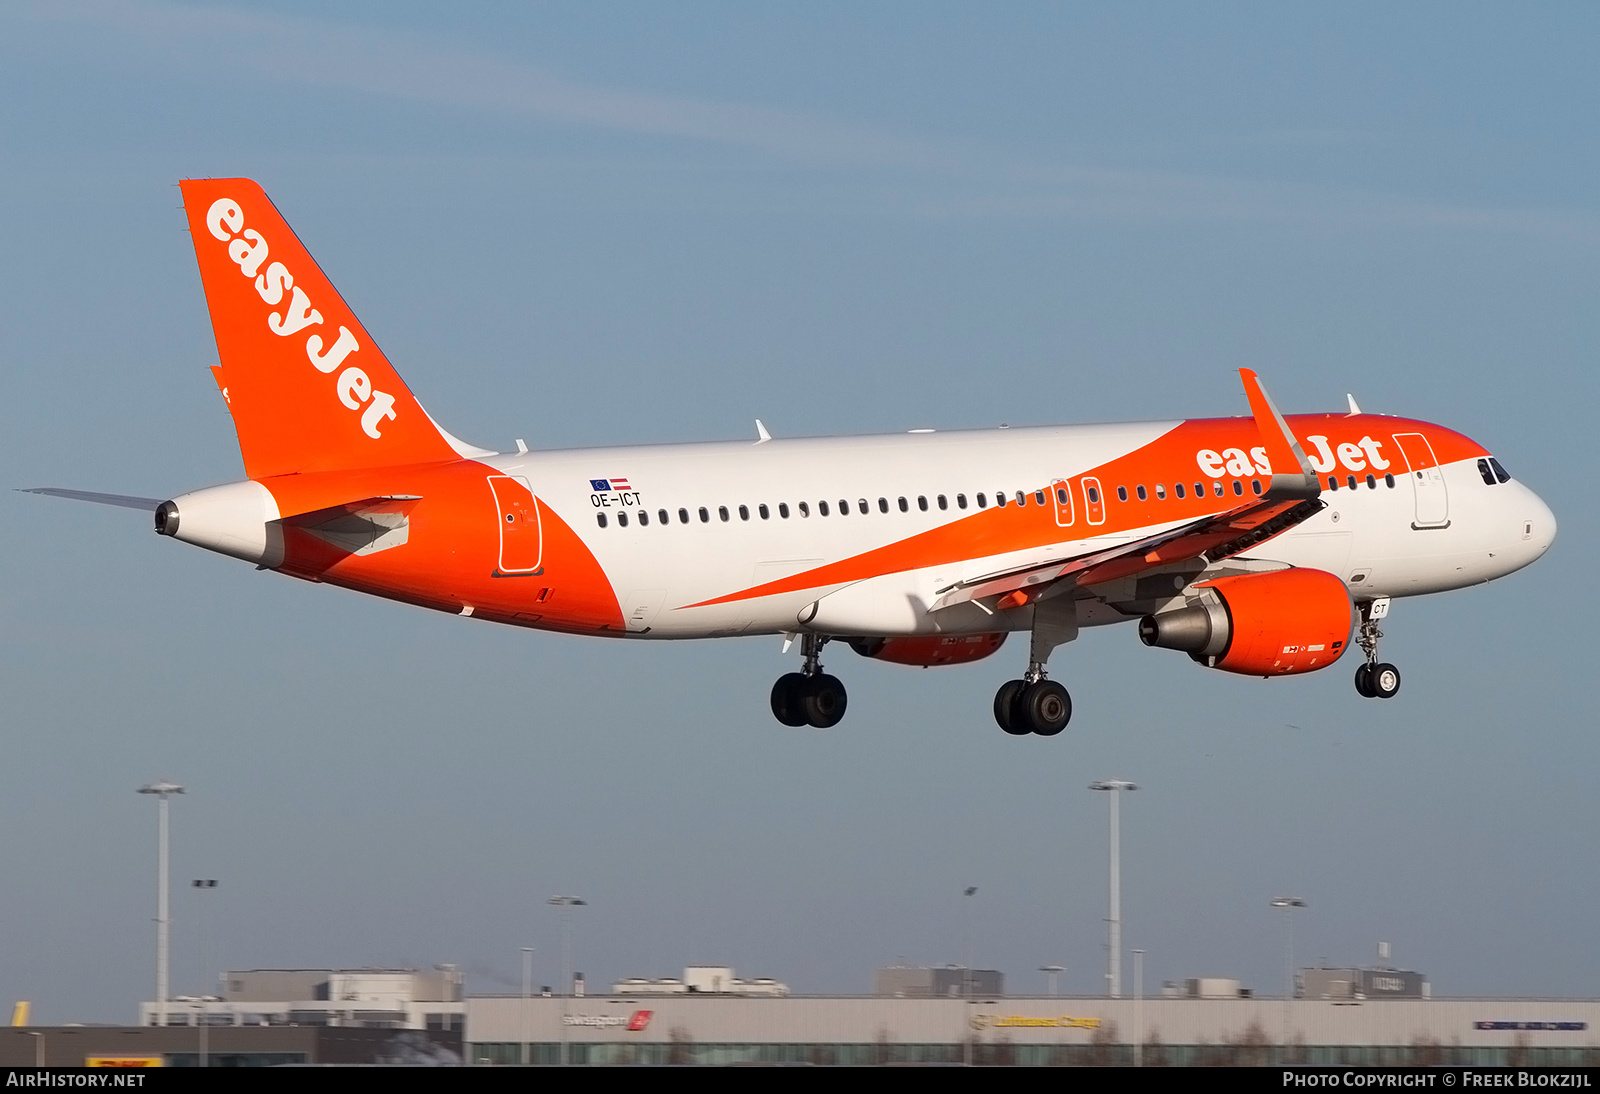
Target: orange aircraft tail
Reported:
point(308, 388)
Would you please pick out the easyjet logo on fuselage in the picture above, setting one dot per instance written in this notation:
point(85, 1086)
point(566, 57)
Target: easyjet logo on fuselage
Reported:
point(249, 251)
point(1356, 456)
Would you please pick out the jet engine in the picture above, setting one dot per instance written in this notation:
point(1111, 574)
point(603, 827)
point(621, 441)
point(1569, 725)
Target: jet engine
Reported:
point(926, 651)
point(1270, 624)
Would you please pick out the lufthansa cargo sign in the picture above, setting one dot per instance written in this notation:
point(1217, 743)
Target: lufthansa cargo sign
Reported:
point(1020, 1021)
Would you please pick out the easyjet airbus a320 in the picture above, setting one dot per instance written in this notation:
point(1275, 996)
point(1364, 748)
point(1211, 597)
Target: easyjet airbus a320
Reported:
point(1258, 545)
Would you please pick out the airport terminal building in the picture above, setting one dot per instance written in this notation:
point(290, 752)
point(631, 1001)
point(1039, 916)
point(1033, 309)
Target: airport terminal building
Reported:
point(1172, 1031)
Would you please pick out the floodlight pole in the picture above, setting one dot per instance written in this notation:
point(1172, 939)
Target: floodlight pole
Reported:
point(527, 990)
point(163, 789)
point(566, 904)
point(1114, 961)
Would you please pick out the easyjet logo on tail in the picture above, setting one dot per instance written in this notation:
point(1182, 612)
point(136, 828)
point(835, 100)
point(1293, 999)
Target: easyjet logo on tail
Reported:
point(249, 251)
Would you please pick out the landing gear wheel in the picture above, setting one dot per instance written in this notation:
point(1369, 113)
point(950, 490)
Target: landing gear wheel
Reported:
point(1045, 707)
point(1005, 708)
point(1364, 681)
point(786, 699)
point(823, 699)
point(1384, 680)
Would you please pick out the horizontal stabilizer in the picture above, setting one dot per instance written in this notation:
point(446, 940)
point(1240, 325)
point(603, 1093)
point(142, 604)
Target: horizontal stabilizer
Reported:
point(127, 501)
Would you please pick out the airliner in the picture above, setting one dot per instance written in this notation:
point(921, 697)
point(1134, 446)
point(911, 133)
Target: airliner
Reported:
point(1263, 545)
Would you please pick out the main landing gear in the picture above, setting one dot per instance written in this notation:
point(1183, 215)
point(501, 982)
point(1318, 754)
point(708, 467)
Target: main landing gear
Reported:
point(809, 697)
point(1035, 704)
point(1375, 679)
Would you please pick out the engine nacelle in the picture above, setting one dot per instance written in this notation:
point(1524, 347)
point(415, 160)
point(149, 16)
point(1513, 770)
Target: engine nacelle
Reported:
point(1270, 624)
point(926, 651)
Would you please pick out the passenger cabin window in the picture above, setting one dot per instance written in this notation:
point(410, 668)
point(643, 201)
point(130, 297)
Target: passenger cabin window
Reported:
point(1061, 495)
point(844, 507)
point(783, 510)
point(1038, 497)
point(664, 517)
point(601, 518)
point(1094, 495)
point(1255, 486)
point(861, 504)
point(763, 511)
point(1216, 488)
point(1388, 480)
point(922, 502)
point(805, 510)
point(1238, 488)
point(622, 520)
point(961, 501)
point(705, 517)
point(1022, 497)
point(1333, 482)
point(644, 517)
point(943, 504)
point(982, 504)
point(1372, 483)
point(1142, 495)
point(744, 512)
point(1351, 479)
point(1122, 494)
point(1199, 490)
point(822, 508)
point(1161, 491)
point(905, 507)
point(683, 516)
point(722, 511)
point(883, 505)
point(1177, 488)
point(1000, 499)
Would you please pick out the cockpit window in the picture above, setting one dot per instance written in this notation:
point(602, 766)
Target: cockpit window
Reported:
point(1483, 470)
point(1499, 472)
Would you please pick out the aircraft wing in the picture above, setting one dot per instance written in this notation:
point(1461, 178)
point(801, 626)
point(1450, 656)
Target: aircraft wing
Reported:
point(1290, 499)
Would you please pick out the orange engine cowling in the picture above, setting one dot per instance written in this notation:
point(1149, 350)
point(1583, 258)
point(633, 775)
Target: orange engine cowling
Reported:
point(1270, 624)
point(929, 650)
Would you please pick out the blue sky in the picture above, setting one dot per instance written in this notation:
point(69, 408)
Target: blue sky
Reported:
point(585, 224)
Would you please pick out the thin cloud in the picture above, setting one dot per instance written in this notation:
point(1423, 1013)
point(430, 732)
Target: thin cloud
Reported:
point(405, 66)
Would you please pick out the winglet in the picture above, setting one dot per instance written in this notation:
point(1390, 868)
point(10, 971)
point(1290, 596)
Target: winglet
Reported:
point(1353, 408)
point(761, 433)
point(1283, 450)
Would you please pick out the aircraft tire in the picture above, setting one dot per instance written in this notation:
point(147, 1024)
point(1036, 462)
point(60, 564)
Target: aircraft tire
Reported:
point(786, 705)
point(1046, 708)
point(824, 700)
point(1364, 681)
point(1384, 680)
point(1005, 709)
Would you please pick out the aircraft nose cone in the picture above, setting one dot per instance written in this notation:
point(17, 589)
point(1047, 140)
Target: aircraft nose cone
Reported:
point(1544, 524)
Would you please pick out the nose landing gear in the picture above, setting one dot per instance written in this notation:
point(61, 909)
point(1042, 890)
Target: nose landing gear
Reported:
point(810, 696)
point(1375, 679)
